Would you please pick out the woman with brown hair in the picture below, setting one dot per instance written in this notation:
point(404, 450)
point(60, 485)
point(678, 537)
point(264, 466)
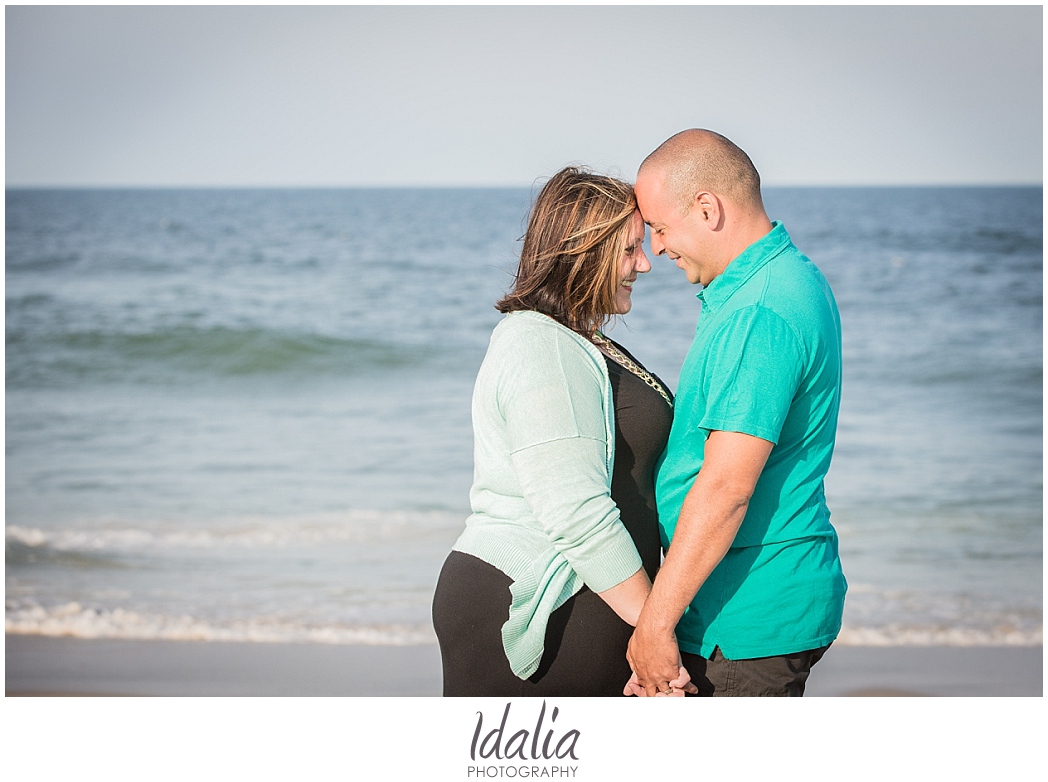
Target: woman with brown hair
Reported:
point(542, 589)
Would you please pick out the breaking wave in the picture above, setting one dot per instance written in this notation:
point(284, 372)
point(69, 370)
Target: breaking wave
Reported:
point(73, 620)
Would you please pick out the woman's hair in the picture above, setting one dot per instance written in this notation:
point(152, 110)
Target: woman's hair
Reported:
point(573, 248)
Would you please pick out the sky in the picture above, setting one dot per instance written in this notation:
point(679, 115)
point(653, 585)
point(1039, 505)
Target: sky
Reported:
point(496, 95)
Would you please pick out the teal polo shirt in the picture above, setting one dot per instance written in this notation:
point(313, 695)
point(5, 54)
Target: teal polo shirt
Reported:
point(766, 361)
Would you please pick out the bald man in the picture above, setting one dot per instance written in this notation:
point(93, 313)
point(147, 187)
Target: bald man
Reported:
point(751, 592)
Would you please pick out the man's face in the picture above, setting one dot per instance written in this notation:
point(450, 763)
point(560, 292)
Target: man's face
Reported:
point(682, 237)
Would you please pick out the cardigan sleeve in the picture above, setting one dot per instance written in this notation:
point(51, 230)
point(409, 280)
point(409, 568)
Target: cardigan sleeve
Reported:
point(552, 398)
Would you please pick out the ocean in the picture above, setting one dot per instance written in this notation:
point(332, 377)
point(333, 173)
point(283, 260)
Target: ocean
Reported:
point(245, 414)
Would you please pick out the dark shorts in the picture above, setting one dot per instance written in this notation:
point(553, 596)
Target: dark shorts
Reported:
point(782, 676)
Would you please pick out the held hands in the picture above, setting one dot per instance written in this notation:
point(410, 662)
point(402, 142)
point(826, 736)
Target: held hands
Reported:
point(677, 688)
point(656, 664)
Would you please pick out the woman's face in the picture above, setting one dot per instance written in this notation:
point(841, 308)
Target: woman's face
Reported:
point(634, 262)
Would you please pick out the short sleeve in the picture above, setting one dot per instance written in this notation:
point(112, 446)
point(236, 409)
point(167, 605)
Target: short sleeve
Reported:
point(753, 367)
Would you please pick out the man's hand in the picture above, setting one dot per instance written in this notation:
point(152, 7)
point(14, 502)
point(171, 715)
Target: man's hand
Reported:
point(654, 658)
point(679, 687)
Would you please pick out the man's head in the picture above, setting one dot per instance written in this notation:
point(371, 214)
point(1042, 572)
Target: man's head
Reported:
point(701, 195)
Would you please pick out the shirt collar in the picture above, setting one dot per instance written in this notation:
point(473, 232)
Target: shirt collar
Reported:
point(744, 266)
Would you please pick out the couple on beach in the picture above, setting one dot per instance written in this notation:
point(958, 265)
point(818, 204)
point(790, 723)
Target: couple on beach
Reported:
point(587, 469)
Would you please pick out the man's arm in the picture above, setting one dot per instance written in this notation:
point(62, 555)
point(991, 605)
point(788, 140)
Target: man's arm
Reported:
point(710, 517)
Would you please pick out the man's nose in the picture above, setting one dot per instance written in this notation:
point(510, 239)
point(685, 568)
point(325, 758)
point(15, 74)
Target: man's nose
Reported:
point(657, 246)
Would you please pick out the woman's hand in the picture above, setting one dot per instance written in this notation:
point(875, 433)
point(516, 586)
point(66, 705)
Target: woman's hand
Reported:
point(678, 687)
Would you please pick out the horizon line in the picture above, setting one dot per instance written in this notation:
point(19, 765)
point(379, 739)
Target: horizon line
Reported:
point(461, 186)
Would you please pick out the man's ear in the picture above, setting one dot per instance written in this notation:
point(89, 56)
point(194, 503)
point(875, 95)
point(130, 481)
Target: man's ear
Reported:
point(708, 207)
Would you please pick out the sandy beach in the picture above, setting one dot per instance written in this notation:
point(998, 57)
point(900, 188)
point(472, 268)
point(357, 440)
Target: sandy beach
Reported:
point(38, 665)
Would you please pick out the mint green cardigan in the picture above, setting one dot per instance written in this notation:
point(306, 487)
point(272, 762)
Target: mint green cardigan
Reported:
point(544, 441)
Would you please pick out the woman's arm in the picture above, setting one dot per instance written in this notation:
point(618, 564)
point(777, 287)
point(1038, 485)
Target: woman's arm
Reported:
point(565, 484)
point(551, 395)
point(627, 598)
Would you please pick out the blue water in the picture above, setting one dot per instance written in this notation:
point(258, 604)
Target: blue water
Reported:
point(245, 414)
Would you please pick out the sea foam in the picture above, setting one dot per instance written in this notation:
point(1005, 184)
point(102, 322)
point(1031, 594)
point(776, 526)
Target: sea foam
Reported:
point(73, 620)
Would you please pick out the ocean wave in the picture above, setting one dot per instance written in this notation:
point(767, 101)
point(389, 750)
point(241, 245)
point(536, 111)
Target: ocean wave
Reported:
point(355, 526)
point(19, 554)
point(76, 621)
point(73, 620)
point(916, 635)
point(34, 358)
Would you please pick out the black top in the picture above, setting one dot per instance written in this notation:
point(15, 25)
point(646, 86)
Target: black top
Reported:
point(642, 428)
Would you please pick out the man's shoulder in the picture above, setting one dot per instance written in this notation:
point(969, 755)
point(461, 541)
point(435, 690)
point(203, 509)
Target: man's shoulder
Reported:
point(756, 329)
point(801, 269)
point(795, 288)
point(786, 303)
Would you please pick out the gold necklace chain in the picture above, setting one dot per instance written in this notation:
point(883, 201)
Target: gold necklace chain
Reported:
point(608, 347)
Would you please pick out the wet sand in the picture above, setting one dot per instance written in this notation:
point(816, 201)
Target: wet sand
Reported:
point(37, 665)
point(929, 671)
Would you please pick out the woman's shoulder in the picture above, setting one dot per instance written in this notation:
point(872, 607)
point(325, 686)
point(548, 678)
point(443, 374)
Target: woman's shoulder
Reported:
point(531, 338)
point(529, 327)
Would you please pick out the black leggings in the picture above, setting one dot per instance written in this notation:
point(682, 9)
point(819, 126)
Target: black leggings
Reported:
point(585, 646)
